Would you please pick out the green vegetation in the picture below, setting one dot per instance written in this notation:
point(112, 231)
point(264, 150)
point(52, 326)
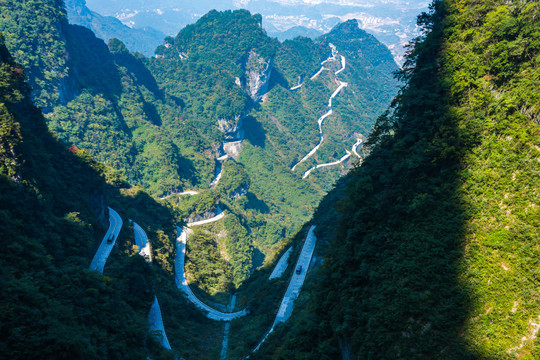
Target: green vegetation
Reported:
point(160, 122)
point(52, 218)
point(436, 244)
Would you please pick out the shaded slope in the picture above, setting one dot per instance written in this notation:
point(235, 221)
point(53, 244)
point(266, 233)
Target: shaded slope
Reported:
point(52, 206)
point(143, 40)
point(437, 239)
point(50, 199)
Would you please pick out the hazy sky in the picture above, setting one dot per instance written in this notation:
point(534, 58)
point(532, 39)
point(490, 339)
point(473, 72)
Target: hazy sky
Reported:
point(337, 2)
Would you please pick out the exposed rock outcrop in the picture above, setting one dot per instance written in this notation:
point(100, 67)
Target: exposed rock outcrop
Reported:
point(238, 193)
point(233, 149)
point(204, 216)
point(233, 129)
point(258, 72)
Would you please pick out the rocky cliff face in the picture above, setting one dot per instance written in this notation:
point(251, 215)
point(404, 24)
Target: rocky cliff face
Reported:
point(239, 192)
point(204, 216)
point(258, 72)
point(233, 129)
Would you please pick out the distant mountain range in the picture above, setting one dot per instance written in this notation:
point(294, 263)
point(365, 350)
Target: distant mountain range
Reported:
point(392, 22)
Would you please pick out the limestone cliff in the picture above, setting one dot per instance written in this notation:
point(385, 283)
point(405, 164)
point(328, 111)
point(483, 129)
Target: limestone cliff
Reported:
point(258, 72)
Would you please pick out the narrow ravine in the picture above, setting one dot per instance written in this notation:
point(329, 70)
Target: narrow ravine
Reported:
point(217, 175)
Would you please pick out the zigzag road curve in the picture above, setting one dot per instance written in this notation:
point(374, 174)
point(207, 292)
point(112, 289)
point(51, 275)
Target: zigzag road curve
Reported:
point(180, 277)
point(329, 112)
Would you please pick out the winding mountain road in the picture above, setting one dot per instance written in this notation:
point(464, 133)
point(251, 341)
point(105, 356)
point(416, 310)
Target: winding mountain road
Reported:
point(189, 192)
point(343, 63)
point(156, 323)
point(104, 250)
point(220, 215)
point(355, 146)
point(295, 284)
point(332, 57)
point(345, 157)
point(182, 284)
point(317, 73)
point(329, 112)
point(141, 239)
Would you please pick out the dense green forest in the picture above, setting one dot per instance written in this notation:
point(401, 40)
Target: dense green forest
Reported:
point(428, 250)
point(161, 122)
point(431, 247)
point(52, 205)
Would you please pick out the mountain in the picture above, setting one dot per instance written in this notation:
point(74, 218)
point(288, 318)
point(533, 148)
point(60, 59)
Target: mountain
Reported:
point(143, 40)
point(212, 112)
point(294, 32)
point(430, 247)
point(427, 247)
point(53, 206)
point(392, 22)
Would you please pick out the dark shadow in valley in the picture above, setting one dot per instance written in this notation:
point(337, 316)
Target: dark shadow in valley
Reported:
point(256, 204)
point(257, 258)
point(277, 78)
point(95, 68)
point(392, 281)
point(139, 72)
point(177, 101)
point(254, 131)
point(150, 111)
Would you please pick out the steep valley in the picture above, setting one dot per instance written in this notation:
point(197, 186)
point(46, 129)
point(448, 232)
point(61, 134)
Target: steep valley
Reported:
point(209, 126)
point(237, 196)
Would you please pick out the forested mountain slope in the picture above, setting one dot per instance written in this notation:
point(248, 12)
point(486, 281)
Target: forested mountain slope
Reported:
point(143, 40)
point(53, 202)
point(212, 112)
point(436, 250)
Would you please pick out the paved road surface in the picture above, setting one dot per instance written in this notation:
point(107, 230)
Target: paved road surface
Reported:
point(219, 216)
point(281, 266)
point(295, 284)
point(226, 328)
point(297, 280)
point(345, 157)
point(182, 283)
point(156, 323)
point(329, 112)
point(342, 65)
point(104, 250)
point(141, 239)
point(189, 192)
point(355, 146)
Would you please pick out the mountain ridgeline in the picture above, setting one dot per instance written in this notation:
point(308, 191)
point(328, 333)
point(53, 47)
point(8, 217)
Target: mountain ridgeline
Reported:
point(428, 243)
